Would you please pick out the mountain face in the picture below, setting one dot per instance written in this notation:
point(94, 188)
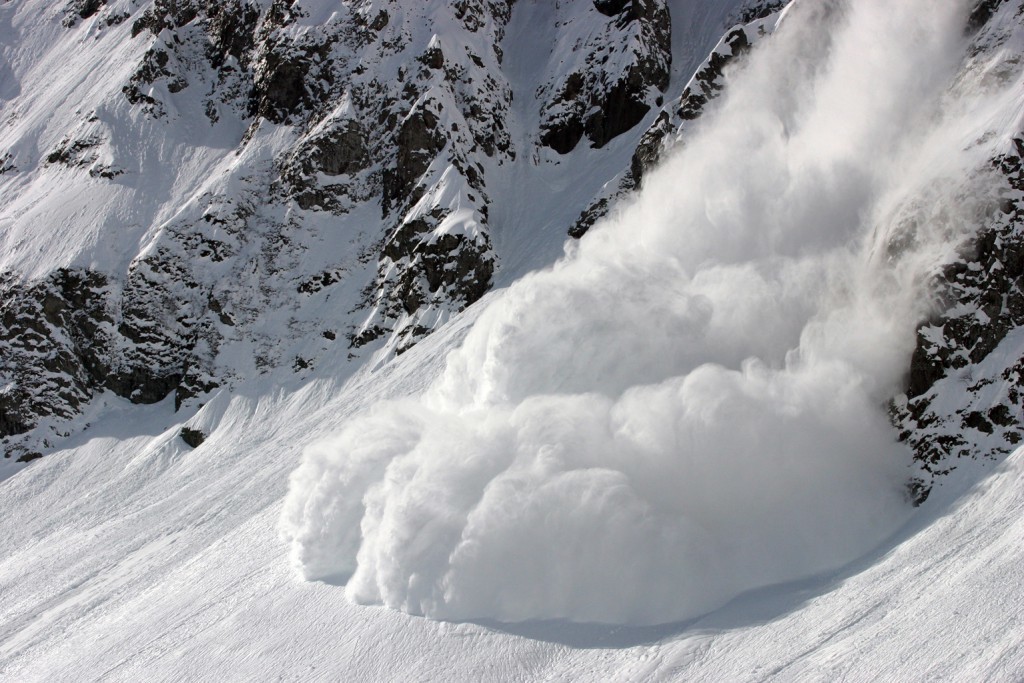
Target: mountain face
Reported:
point(256, 188)
point(620, 339)
point(963, 399)
point(203, 193)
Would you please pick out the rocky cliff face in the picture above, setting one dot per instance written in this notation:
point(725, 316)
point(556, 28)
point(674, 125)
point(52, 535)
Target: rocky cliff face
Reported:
point(756, 21)
point(257, 187)
point(964, 397)
point(625, 72)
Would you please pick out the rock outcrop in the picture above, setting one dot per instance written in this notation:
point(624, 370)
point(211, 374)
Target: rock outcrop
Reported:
point(964, 397)
point(626, 72)
point(964, 400)
point(674, 118)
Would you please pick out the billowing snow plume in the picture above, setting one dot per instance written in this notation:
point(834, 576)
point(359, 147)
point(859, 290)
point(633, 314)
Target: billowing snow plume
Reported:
point(692, 402)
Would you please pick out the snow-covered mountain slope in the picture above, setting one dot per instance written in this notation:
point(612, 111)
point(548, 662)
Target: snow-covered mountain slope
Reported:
point(198, 193)
point(170, 568)
point(668, 456)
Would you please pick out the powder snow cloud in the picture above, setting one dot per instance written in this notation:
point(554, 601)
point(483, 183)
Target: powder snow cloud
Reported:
point(691, 403)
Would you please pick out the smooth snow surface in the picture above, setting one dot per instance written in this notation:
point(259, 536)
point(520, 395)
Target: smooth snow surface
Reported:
point(690, 404)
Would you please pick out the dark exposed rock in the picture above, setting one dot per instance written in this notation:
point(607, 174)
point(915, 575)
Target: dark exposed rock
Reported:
point(918, 491)
point(115, 18)
point(104, 171)
point(990, 280)
point(602, 103)
point(292, 76)
point(193, 437)
point(474, 14)
point(53, 336)
point(978, 421)
point(419, 142)
point(927, 366)
point(563, 135)
point(366, 335)
point(648, 152)
point(625, 103)
point(75, 333)
point(30, 456)
point(219, 35)
point(708, 82)
point(166, 14)
point(588, 217)
point(280, 86)
point(12, 420)
point(1001, 415)
point(320, 281)
point(85, 8)
point(74, 152)
point(983, 295)
point(77, 10)
point(151, 320)
point(231, 28)
point(341, 150)
point(621, 109)
point(610, 8)
point(433, 58)
point(419, 267)
point(154, 66)
point(982, 13)
point(193, 384)
point(470, 276)
point(380, 20)
point(759, 9)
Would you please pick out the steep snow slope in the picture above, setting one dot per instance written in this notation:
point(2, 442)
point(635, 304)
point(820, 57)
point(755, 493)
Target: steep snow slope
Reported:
point(171, 569)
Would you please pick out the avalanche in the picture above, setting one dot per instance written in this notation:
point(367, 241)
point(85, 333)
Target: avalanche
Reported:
point(691, 403)
point(667, 455)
